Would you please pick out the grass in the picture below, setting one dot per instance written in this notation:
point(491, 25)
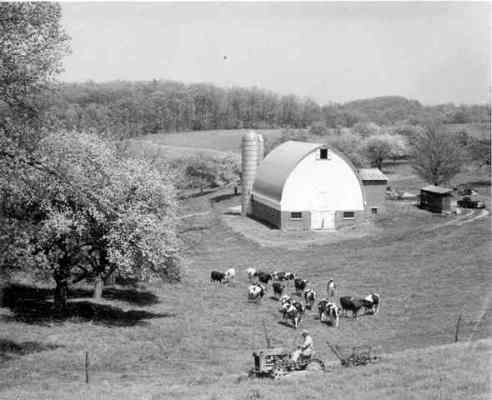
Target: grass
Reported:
point(220, 140)
point(194, 339)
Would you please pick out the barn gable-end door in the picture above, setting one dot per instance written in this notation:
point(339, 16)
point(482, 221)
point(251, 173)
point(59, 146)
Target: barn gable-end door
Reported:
point(321, 220)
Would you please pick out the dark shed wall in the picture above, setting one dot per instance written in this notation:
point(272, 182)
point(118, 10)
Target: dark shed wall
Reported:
point(434, 201)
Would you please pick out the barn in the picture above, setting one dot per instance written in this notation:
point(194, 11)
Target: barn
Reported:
point(437, 199)
point(375, 183)
point(306, 186)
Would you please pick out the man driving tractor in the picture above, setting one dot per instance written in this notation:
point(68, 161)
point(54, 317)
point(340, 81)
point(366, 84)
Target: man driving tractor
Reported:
point(306, 349)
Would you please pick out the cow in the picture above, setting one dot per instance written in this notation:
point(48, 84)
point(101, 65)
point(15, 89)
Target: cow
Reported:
point(279, 276)
point(216, 276)
point(290, 276)
point(350, 303)
point(264, 277)
point(251, 272)
point(278, 288)
point(300, 284)
point(256, 292)
point(331, 313)
point(285, 299)
point(323, 303)
point(293, 312)
point(331, 290)
point(373, 301)
point(309, 297)
point(230, 274)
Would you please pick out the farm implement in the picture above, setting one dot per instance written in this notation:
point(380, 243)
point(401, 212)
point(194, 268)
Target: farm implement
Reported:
point(277, 362)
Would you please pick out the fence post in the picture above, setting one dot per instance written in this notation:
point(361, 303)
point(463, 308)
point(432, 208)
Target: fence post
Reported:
point(86, 367)
point(457, 328)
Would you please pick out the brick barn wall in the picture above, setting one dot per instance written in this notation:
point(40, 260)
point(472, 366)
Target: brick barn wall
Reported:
point(359, 217)
point(265, 213)
point(289, 224)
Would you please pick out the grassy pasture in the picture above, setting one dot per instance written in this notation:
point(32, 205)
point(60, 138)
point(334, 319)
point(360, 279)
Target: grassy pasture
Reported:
point(221, 140)
point(194, 339)
point(477, 130)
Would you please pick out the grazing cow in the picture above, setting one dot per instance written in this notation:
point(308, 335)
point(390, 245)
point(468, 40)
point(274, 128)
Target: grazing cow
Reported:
point(278, 276)
point(256, 292)
point(264, 277)
point(331, 290)
point(323, 303)
point(216, 276)
point(251, 272)
point(331, 313)
point(309, 297)
point(294, 312)
point(300, 284)
point(373, 302)
point(350, 303)
point(230, 274)
point(278, 288)
point(285, 299)
point(290, 276)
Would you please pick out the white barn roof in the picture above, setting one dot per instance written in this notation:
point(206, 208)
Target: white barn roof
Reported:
point(274, 170)
point(277, 166)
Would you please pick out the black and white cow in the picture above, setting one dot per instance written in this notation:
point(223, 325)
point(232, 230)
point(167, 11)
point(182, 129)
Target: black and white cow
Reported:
point(293, 312)
point(283, 276)
point(329, 312)
point(285, 299)
point(300, 284)
point(278, 288)
point(309, 298)
point(256, 292)
point(353, 304)
point(373, 302)
point(230, 275)
point(216, 276)
point(251, 272)
point(264, 277)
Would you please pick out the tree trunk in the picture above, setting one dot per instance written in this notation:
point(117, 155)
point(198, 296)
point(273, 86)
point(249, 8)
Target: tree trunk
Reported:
point(61, 294)
point(98, 287)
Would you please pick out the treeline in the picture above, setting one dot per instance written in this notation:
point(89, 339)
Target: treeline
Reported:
point(130, 109)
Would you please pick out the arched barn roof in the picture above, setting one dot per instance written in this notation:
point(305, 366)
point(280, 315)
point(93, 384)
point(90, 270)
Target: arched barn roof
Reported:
point(276, 167)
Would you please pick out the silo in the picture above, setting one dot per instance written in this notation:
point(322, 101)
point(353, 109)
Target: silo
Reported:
point(249, 157)
point(261, 149)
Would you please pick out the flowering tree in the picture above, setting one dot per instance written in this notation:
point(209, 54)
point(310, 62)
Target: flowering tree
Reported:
point(74, 209)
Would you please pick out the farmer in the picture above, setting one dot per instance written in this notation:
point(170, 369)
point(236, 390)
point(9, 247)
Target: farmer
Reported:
point(306, 349)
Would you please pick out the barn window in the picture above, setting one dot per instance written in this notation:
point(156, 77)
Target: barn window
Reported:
point(348, 215)
point(323, 154)
point(374, 210)
point(296, 215)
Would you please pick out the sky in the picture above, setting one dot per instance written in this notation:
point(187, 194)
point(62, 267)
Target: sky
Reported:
point(434, 52)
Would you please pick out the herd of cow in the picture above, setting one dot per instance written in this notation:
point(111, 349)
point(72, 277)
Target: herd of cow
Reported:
point(292, 309)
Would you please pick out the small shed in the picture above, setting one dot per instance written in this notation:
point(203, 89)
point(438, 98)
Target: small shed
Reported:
point(374, 183)
point(436, 198)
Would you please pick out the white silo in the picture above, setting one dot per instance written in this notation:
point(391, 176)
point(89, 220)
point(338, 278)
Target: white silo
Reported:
point(249, 157)
point(261, 148)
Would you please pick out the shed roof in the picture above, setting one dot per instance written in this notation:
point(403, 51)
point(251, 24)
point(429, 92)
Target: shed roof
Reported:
point(437, 189)
point(372, 174)
point(277, 166)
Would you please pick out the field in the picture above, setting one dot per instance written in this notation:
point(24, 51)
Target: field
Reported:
point(194, 339)
point(221, 140)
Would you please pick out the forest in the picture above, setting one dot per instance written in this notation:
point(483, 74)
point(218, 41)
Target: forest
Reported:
point(129, 109)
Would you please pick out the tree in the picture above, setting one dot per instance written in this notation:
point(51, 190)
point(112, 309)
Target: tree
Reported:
point(32, 44)
point(436, 156)
point(78, 210)
point(479, 151)
point(377, 148)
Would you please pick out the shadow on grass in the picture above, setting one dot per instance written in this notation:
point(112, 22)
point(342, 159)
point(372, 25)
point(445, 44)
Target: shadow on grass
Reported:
point(223, 197)
point(35, 306)
point(9, 348)
point(287, 324)
point(483, 182)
